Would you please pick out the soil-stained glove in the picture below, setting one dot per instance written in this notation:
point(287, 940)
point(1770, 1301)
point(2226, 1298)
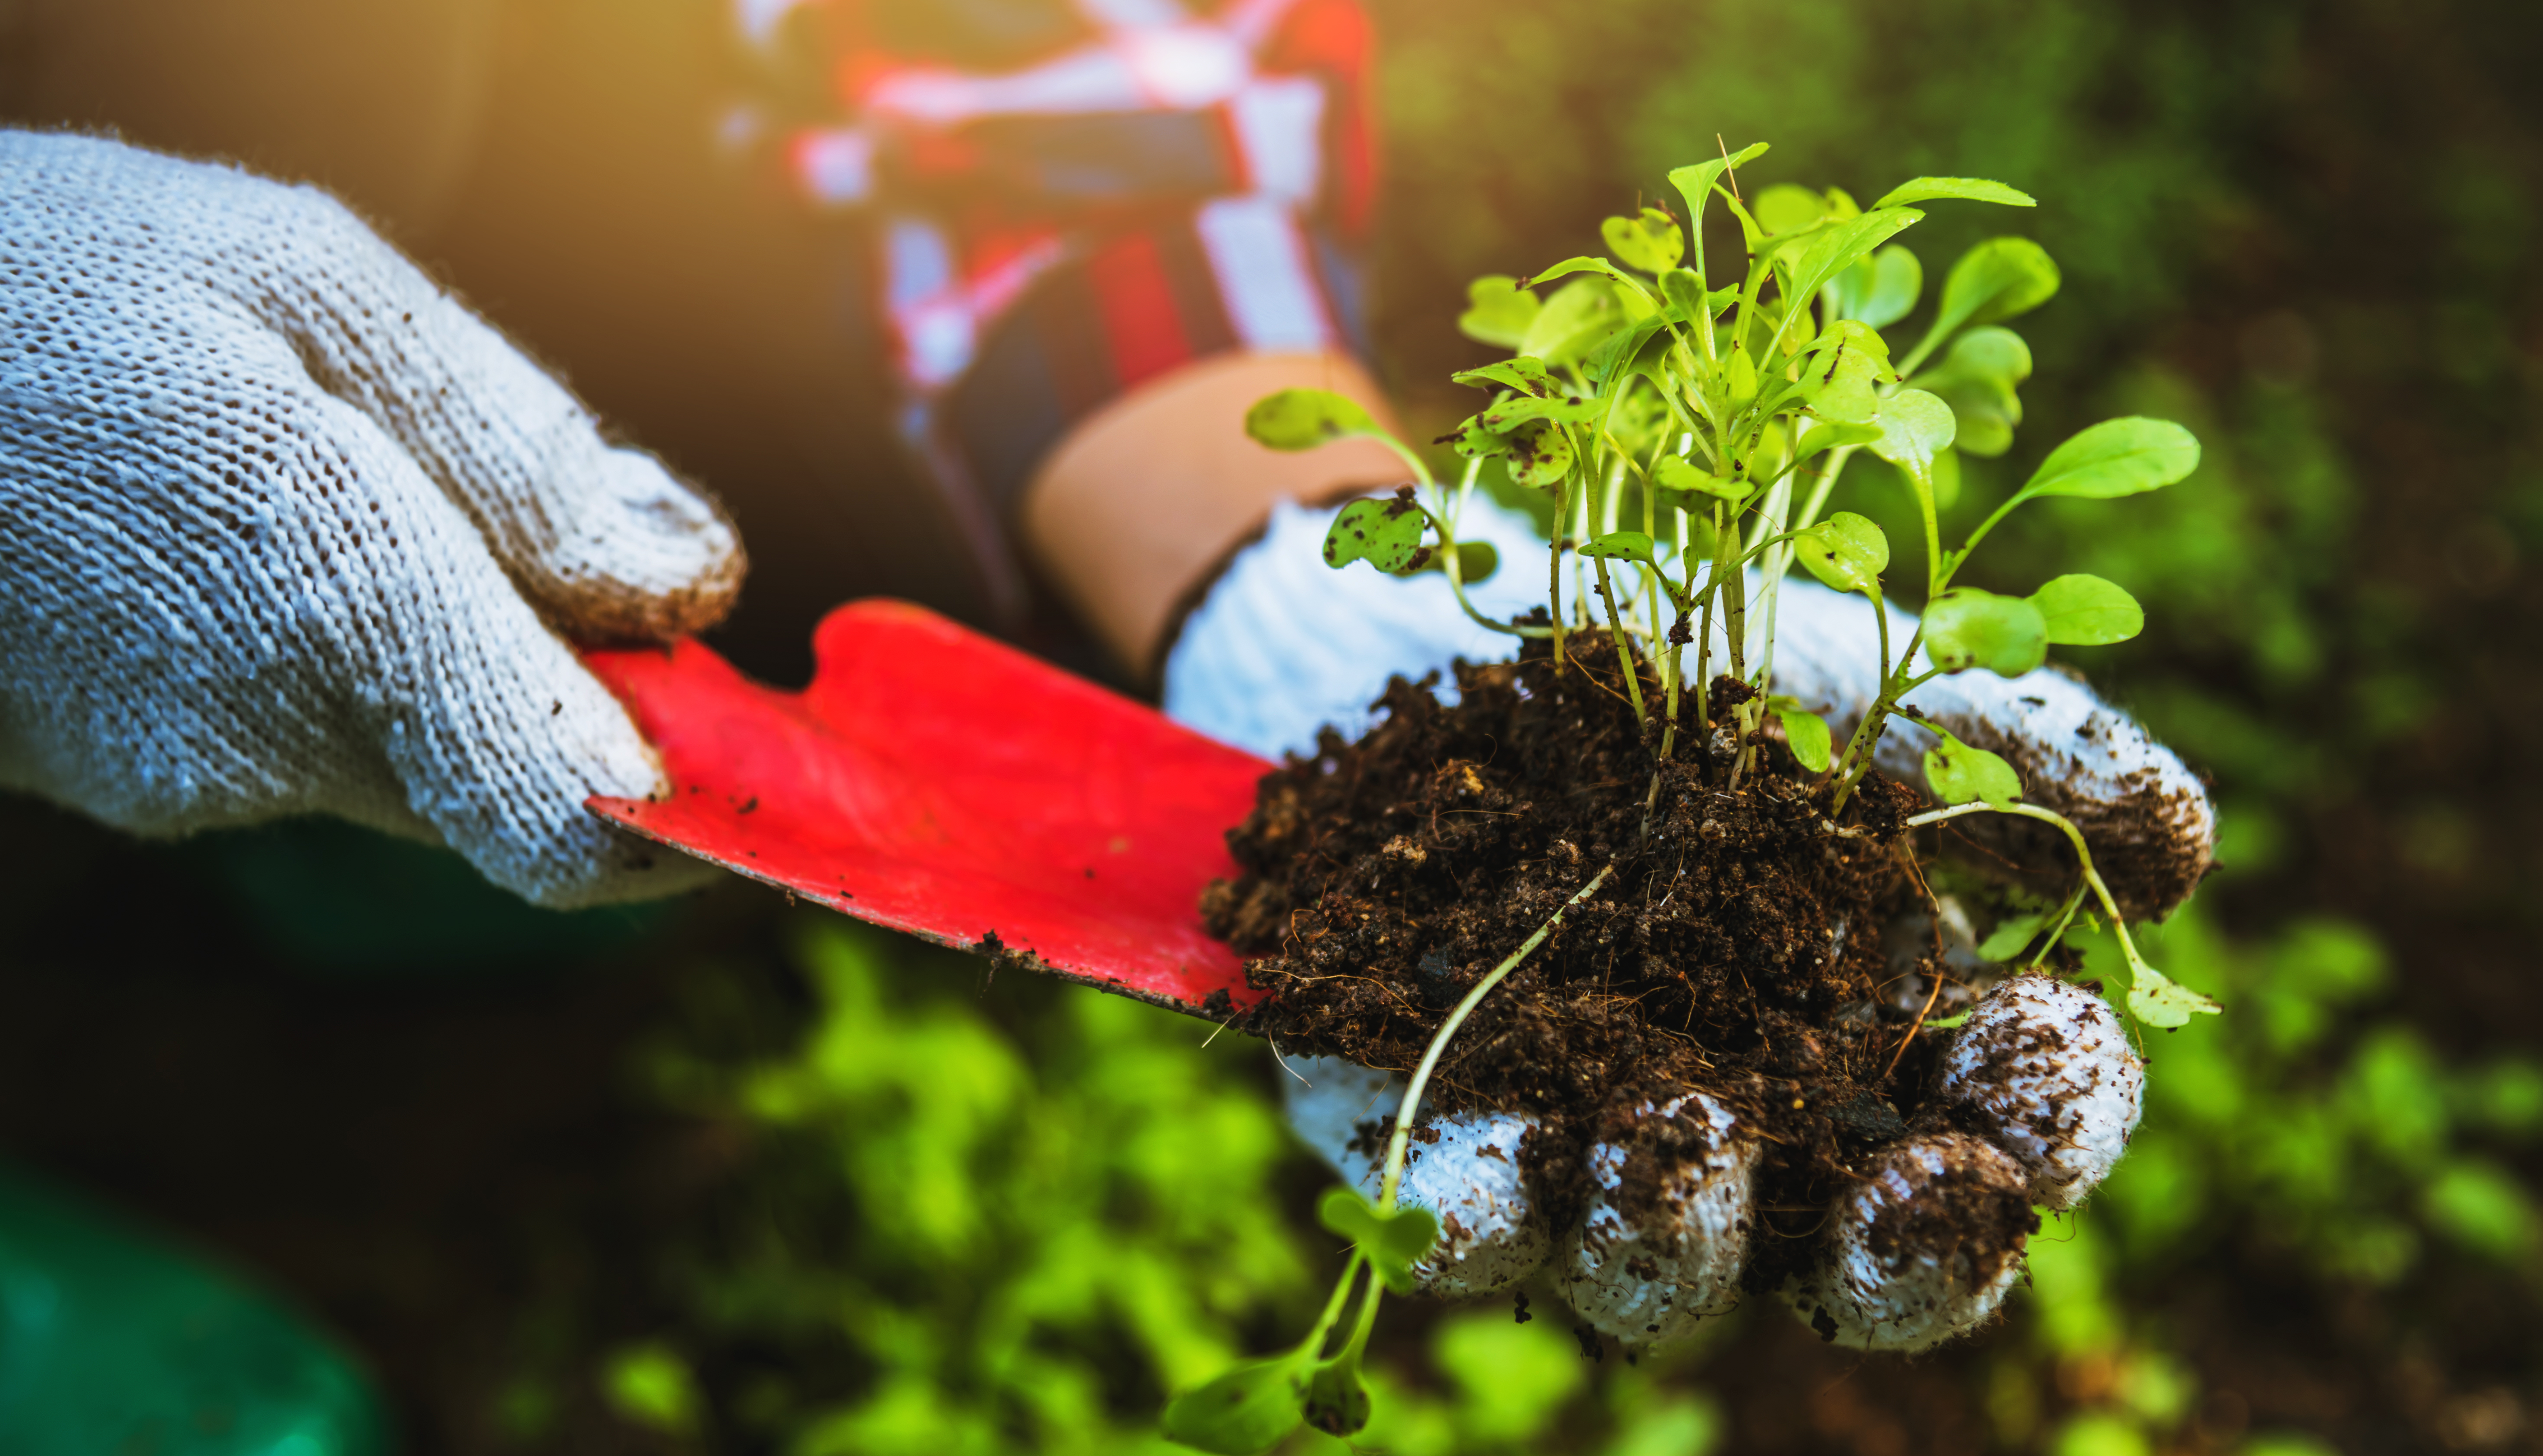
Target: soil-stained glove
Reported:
point(2032, 1103)
point(285, 529)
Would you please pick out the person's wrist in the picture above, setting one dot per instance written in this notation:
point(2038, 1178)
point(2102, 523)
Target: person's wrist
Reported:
point(1143, 499)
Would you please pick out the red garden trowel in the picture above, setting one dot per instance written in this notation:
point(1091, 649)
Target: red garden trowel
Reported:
point(940, 782)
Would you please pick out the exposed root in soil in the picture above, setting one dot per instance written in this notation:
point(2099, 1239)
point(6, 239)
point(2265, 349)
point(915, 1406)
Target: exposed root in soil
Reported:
point(1738, 948)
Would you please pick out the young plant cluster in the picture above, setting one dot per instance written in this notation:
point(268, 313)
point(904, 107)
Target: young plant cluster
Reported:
point(1691, 438)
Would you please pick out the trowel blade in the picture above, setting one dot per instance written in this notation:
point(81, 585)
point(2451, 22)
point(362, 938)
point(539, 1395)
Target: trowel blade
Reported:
point(938, 782)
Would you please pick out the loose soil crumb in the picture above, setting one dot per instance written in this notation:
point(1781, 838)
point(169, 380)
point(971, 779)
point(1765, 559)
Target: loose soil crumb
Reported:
point(1738, 948)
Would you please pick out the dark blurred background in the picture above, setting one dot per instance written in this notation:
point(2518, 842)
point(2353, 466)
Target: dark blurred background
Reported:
point(723, 1176)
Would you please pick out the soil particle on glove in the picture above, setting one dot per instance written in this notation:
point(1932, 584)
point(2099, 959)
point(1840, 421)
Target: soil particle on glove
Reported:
point(1736, 949)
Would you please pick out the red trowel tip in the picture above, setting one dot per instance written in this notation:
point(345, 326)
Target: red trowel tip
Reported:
point(938, 782)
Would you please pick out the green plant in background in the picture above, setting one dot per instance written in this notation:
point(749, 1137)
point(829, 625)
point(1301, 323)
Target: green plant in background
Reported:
point(2368, 1156)
point(1014, 1238)
point(993, 1231)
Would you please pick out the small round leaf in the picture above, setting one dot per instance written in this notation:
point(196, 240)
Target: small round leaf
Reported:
point(1387, 534)
point(1394, 1241)
point(1915, 427)
point(2160, 1001)
point(2088, 611)
point(1846, 551)
point(1997, 279)
point(1303, 419)
point(1338, 1399)
point(1807, 734)
point(1651, 241)
point(1961, 774)
point(1498, 311)
point(1967, 628)
point(1540, 453)
point(1882, 289)
point(1620, 546)
point(1245, 1411)
point(1477, 560)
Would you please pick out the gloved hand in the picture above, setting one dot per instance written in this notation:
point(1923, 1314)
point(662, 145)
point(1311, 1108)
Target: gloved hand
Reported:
point(287, 529)
point(2040, 1079)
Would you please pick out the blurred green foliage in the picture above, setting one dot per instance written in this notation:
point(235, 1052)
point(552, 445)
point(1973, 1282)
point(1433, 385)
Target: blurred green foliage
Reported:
point(970, 1237)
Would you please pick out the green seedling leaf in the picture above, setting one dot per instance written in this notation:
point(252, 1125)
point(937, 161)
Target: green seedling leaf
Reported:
point(1847, 243)
point(1620, 546)
point(2088, 611)
point(1498, 311)
point(1978, 379)
point(1303, 419)
point(1961, 774)
point(1676, 475)
point(1946, 479)
point(1915, 427)
point(1740, 375)
point(1512, 411)
point(1387, 534)
point(1996, 280)
point(1846, 551)
point(1575, 318)
point(1687, 301)
point(1585, 263)
point(2009, 937)
point(1786, 208)
point(1540, 454)
point(1475, 442)
point(1477, 560)
point(2116, 457)
point(1337, 1397)
point(1882, 289)
point(2158, 1000)
point(1843, 375)
point(1245, 1411)
point(1966, 188)
point(1831, 434)
point(1651, 241)
point(1807, 736)
point(1967, 628)
point(1696, 183)
point(1525, 375)
point(1394, 1241)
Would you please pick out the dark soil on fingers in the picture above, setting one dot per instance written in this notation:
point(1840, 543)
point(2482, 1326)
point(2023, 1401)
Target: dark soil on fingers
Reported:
point(1736, 948)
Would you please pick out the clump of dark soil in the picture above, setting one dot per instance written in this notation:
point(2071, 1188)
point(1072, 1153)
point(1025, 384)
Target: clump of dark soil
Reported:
point(1736, 948)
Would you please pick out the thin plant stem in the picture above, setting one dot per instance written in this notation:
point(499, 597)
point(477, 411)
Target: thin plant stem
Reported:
point(2083, 857)
point(1845, 785)
point(1314, 1343)
point(1402, 1138)
point(2057, 928)
point(1554, 571)
point(1448, 526)
point(1624, 649)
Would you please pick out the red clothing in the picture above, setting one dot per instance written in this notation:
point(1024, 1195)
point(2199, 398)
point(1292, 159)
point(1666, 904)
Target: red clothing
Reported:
point(1072, 196)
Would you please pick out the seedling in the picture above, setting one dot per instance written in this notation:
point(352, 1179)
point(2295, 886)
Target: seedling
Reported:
point(1691, 438)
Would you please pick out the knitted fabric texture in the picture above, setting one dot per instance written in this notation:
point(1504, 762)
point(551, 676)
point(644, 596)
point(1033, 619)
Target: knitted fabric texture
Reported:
point(284, 529)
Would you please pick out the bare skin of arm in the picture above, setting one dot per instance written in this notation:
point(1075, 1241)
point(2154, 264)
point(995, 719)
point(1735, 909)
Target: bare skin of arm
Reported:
point(1148, 495)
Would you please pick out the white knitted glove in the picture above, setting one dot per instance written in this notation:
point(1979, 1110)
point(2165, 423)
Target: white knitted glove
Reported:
point(1282, 645)
point(285, 529)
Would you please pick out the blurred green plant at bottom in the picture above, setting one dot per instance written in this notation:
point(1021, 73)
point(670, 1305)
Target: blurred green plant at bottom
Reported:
point(959, 1222)
point(2299, 1126)
point(962, 1223)
point(999, 1241)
